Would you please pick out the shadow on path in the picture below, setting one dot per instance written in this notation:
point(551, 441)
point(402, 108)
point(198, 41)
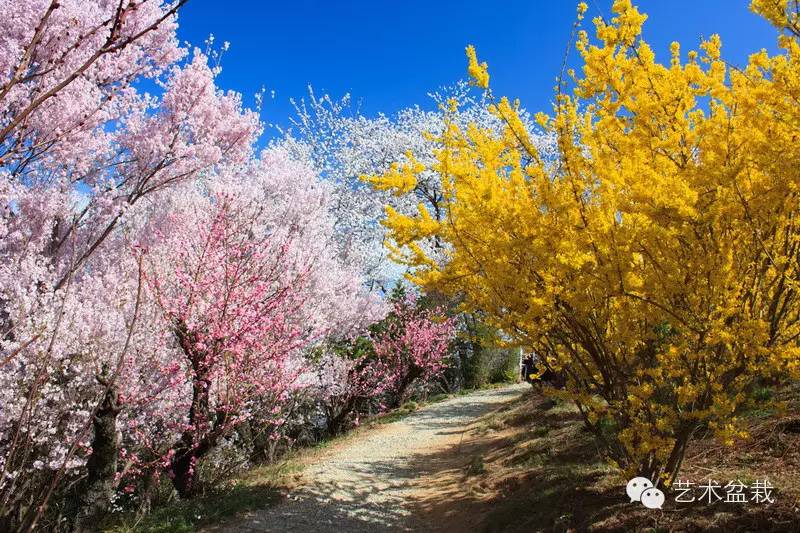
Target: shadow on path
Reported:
point(366, 485)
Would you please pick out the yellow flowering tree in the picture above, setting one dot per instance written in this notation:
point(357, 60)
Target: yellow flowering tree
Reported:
point(655, 259)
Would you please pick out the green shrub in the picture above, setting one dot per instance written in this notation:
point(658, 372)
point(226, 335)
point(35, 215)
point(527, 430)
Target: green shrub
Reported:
point(504, 367)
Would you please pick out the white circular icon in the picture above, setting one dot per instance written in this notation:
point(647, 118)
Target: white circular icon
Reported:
point(636, 486)
point(652, 498)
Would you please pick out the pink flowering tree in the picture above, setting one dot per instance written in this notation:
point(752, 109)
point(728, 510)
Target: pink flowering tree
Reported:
point(79, 136)
point(368, 374)
point(114, 362)
point(231, 307)
point(352, 380)
point(248, 280)
point(84, 155)
point(413, 345)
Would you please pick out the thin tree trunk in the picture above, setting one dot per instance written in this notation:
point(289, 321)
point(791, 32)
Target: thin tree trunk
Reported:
point(678, 451)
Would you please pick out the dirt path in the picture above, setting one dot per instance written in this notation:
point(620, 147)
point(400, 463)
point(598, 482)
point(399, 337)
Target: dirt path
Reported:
point(364, 485)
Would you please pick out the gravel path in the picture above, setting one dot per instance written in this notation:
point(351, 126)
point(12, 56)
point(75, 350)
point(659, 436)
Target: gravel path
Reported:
point(363, 485)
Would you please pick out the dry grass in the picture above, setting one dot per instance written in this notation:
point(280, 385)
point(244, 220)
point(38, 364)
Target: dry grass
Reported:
point(541, 471)
point(257, 488)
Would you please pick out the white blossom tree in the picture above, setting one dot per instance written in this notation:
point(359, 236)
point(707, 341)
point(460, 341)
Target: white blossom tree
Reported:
point(345, 145)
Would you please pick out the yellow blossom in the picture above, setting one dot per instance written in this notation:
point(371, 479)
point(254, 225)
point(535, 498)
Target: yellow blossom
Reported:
point(655, 261)
point(479, 72)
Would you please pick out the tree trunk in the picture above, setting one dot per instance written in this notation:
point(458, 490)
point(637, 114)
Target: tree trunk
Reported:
point(337, 423)
point(183, 472)
point(97, 490)
point(194, 442)
point(402, 388)
point(673, 465)
point(188, 453)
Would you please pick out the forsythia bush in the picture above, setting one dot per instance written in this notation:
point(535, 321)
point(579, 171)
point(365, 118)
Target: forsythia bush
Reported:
point(655, 258)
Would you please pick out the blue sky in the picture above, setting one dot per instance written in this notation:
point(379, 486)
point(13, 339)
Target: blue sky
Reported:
point(389, 55)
